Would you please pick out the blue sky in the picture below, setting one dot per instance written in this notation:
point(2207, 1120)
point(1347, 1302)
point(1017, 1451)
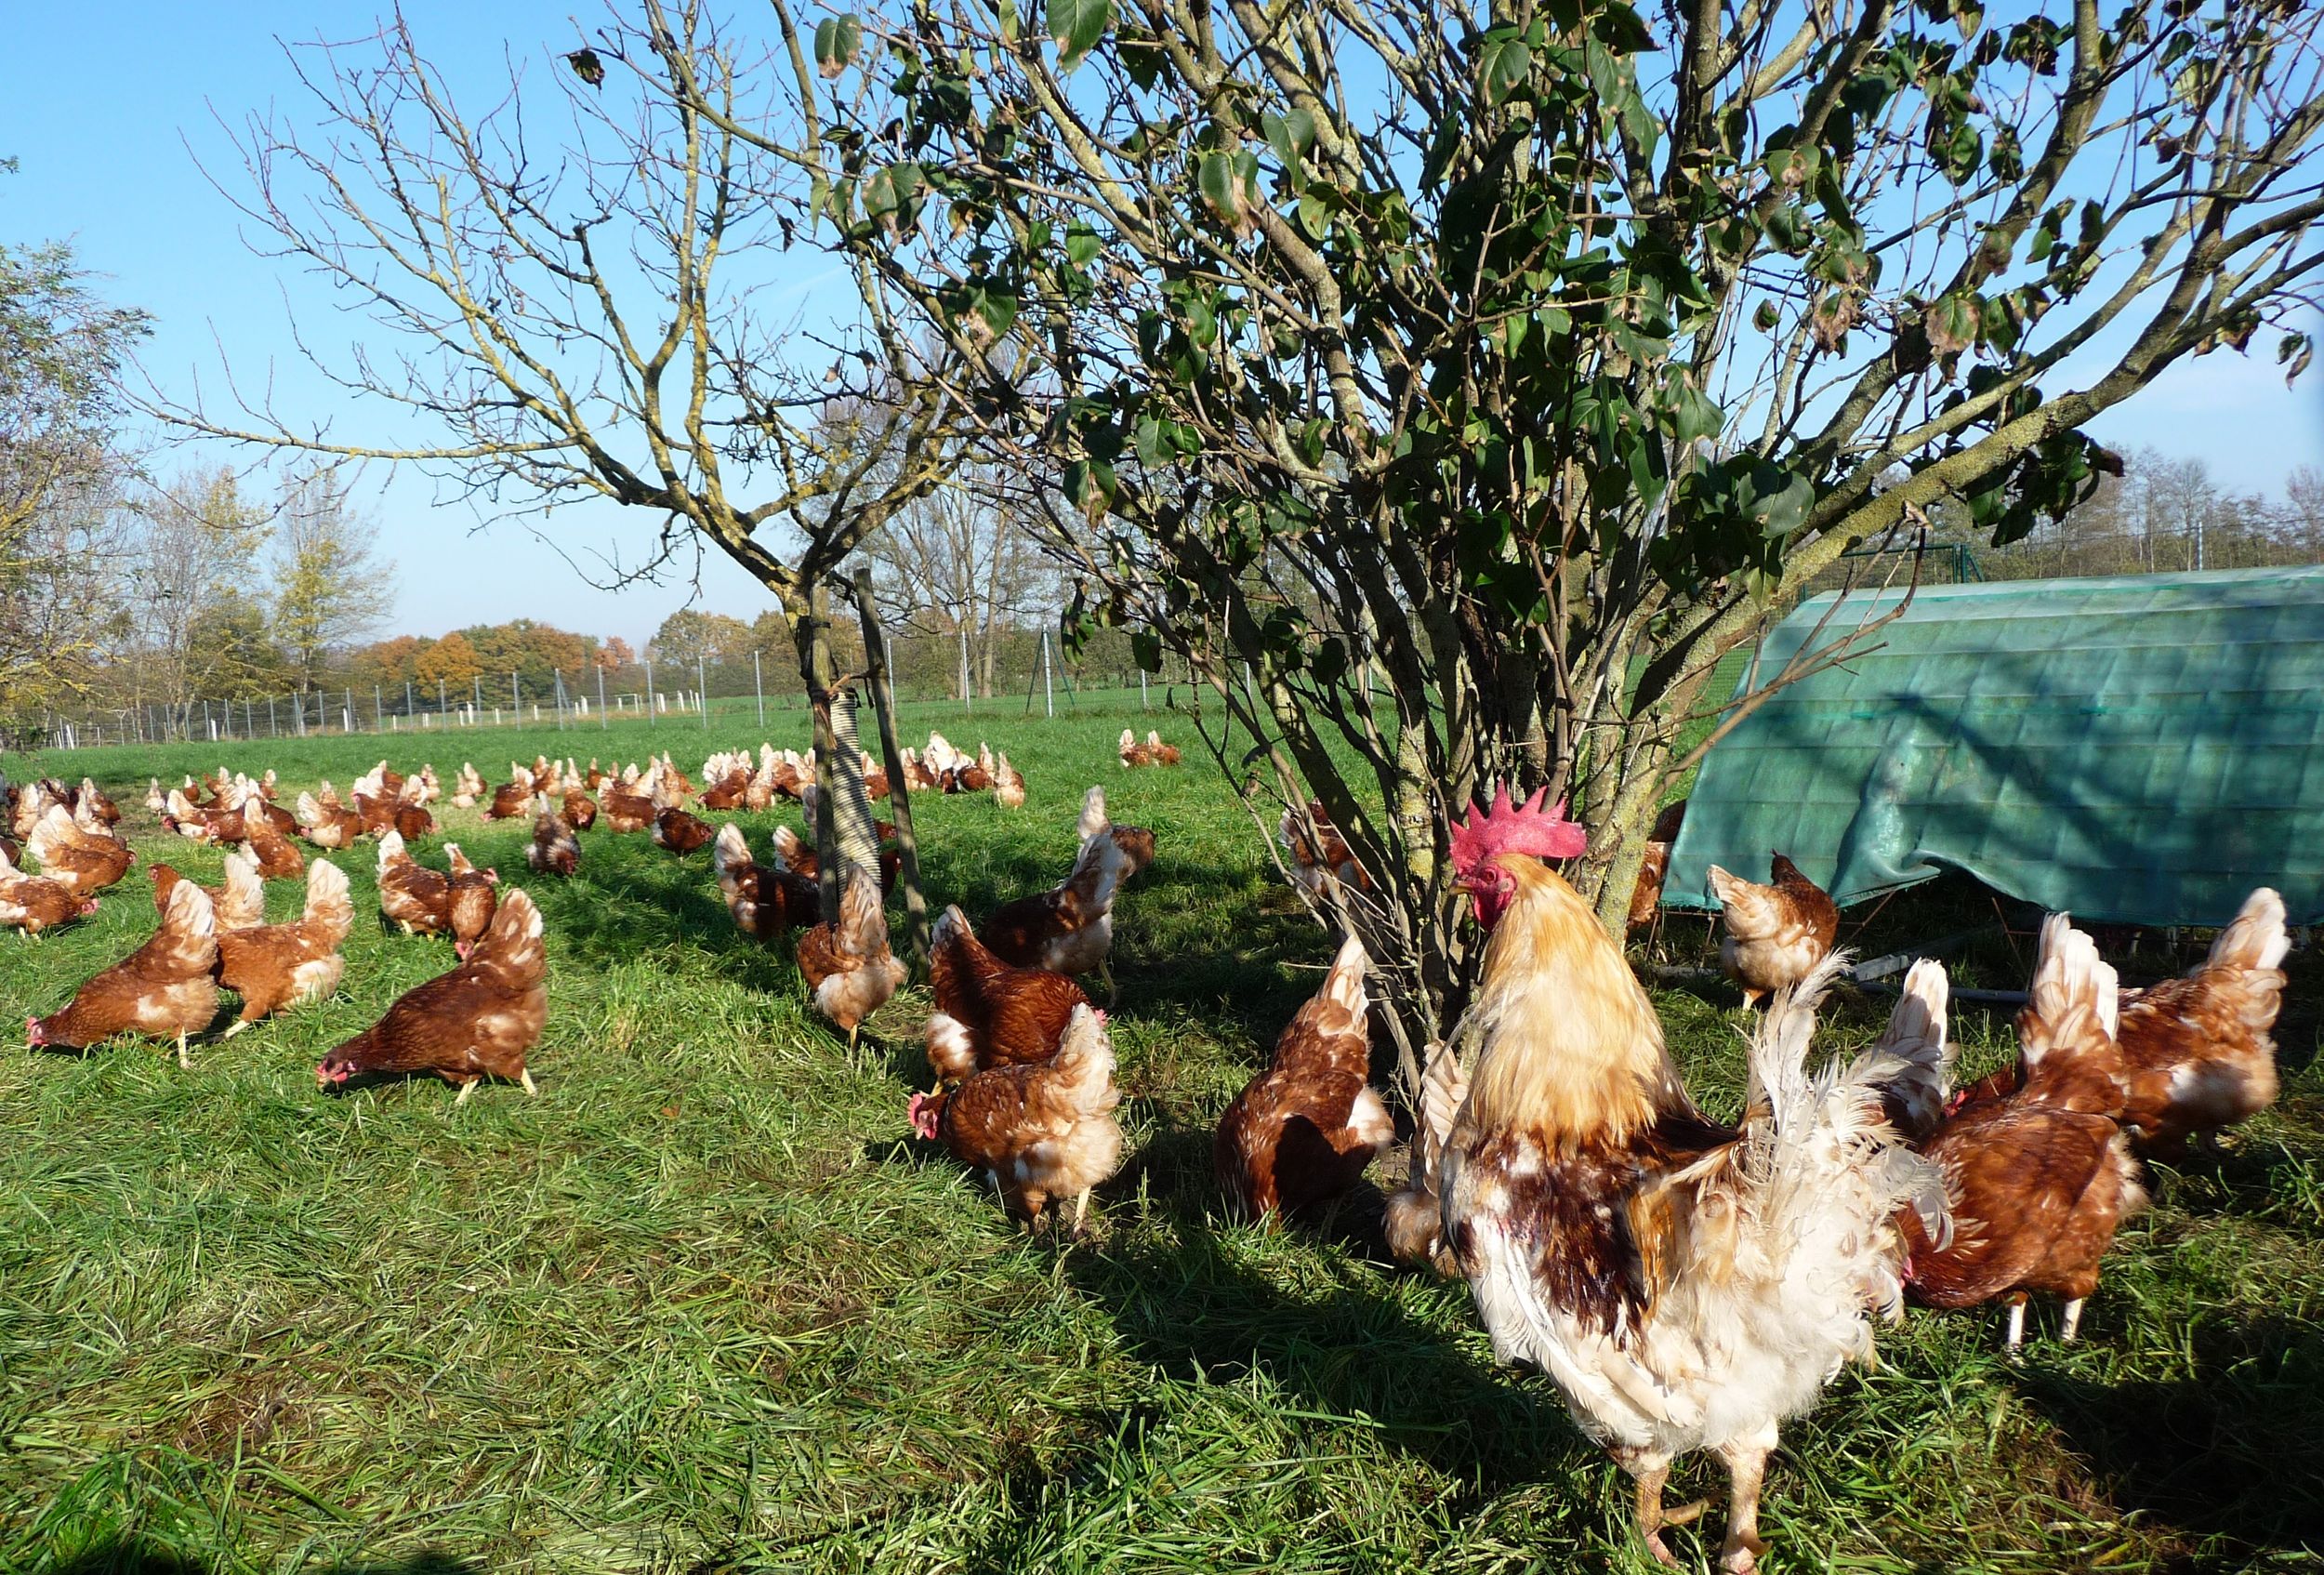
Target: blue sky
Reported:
point(116, 172)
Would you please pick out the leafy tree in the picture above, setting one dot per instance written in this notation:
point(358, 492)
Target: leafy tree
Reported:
point(230, 643)
point(613, 652)
point(688, 636)
point(1480, 379)
point(60, 471)
point(536, 653)
point(330, 588)
point(449, 665)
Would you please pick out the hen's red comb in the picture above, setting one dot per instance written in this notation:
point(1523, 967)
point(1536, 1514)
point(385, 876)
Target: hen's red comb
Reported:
point(1511, 827)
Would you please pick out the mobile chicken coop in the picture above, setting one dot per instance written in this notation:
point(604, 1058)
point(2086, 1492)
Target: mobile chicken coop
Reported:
point(2143, 749)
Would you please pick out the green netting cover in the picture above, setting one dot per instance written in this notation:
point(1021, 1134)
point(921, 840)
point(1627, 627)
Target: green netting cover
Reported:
point(2144, 749)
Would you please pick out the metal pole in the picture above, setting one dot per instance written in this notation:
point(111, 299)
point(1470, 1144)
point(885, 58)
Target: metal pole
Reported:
point(442, 706)
point(649, 692)
point(516, 702)
point(479, 681)
point(1048, 683)
point(701, 693)
point(758, 687)
point(1142, 691)
point(408, 707)
point(601, 721)
point(378, 718)
point(560, 697)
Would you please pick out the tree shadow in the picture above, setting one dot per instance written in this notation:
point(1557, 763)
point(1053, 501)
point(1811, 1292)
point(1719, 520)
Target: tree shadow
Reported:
point(141, 1555)
point(2234, 1449)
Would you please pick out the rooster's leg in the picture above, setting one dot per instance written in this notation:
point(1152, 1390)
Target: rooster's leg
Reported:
point(1081, 1209)
point(183, 1059)
point(237, 1026)
point(466, 1089)
point(1747, 1466)
point(2073, 1319)
point(2017, 1323)
point(1649, 1473)
point(852, 1029)
point(526, 1078)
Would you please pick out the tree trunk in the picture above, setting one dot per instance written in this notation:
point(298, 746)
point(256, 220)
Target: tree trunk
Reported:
point(844, 835)
point(899, 790)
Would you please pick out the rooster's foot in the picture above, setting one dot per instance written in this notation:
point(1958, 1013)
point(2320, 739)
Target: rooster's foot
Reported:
point(1662, 1556)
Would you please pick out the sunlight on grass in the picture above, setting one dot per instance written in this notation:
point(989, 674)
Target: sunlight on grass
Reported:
point(705, 1305)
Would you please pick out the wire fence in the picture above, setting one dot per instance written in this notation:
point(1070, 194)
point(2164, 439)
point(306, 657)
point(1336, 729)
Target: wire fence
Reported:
point(699, 694)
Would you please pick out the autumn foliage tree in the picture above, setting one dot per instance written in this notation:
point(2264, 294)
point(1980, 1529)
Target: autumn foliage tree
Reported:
point(1481, 375)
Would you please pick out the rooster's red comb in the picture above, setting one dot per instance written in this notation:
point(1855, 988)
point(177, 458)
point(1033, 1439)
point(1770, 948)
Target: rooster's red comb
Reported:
point(1511, 827)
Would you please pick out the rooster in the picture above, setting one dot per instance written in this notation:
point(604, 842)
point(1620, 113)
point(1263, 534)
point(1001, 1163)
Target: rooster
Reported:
point(988, 1013)
point(1687, 1286)
point(1037, 1131)
point(2039, 1177)
point(1775, 935)
point(475, 1021)
point(1301, 1134)
point(163, 989)
point(1068, 929)
point(33, 903)
point(848, 967)
point(277, 966)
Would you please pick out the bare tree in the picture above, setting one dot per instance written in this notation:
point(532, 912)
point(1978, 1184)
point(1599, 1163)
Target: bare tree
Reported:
point(959, 563)
point(330, 588)
point(581, 287)
point(195, 538)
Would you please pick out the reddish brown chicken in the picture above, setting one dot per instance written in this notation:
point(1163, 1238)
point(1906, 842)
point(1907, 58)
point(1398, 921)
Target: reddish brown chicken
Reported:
point(679, 832)
point(1068, 929)
point(275, 967)
point(764, 901)
point(580, 810)
point(988, 1013)
point(554, 849)
point(1038, 1132)
point(2201, 1049)
point(238, 902)
point(624, 811)
point(326, 823)
point(1301, 1134)
point(1319, 857)
point(509, 800)
point(162, 990)
point(476, 1022)
point(474, 895)
point(728, 792)
point(796, 855)
point(415, 898)
point(276, 856)
point(82, 862)
point(189, 820)
point(31, 903)
point(2040, 1178)
point(1775, 935)
point(1645, 897)
point(849, 969)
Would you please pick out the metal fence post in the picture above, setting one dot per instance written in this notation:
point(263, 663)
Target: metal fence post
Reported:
point(701, 693)
point(758, 687)
point(648, 694)
point(378, 718)
point(1048, 683)
point(602, 720)
point(560, 697)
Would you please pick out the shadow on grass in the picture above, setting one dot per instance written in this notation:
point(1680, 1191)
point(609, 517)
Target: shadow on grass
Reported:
point(137, 1556)
point(2234, 1449)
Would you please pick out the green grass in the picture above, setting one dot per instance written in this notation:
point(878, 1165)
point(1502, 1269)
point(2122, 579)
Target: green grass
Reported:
point(701, 1306)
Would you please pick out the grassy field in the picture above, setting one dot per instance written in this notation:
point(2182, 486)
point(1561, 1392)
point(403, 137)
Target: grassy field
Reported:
point(704, 1305)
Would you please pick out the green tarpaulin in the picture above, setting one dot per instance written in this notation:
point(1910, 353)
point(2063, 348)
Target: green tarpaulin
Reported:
point(2144, 749)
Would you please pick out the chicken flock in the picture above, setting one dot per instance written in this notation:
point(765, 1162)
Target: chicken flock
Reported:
point(1687, 1283)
